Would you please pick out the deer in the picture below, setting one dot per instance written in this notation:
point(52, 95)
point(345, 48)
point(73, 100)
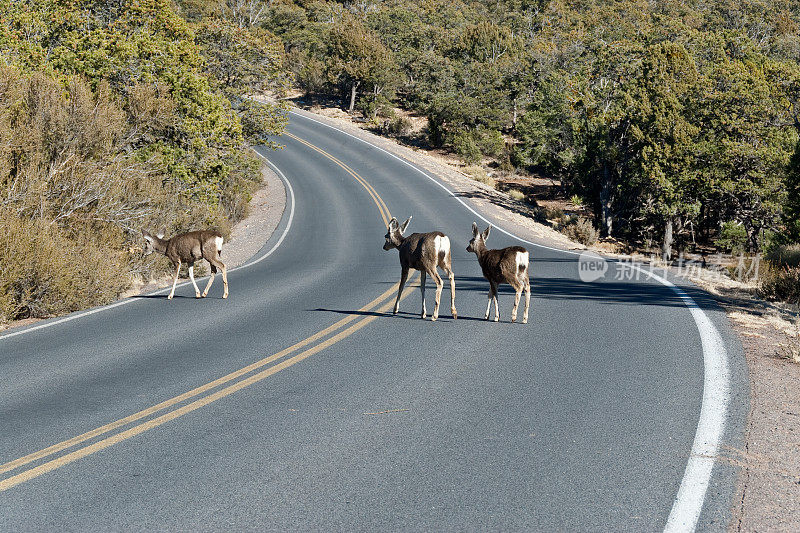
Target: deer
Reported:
point(188, 248)
point(424, 252)
point(507, 265)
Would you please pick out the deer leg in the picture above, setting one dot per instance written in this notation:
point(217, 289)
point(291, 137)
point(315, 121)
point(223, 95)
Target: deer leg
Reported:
point(518, 290)
point(527, 301)
point(224, 280)
point(422, 290)
point(452, 278)
point(175, 282)
point(439, 285)
point(489, 303)
point(403, 278)
point(496, 305)
point(191, 277)
point(210, 280)
point(216, 264)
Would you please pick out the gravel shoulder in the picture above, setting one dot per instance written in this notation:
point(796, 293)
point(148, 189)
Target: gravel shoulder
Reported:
point(266, 209)
point(768, 489)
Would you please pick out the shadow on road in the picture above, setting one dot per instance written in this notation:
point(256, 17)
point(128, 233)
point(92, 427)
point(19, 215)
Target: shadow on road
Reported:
point(406, 315)
point(612, 292)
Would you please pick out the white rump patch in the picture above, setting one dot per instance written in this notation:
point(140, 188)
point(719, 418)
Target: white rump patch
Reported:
point(522, 260)
point(219, 241)
point(442, 245)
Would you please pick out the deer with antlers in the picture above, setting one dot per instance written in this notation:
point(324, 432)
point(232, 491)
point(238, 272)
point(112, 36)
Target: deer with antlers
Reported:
point(424, 252)
point(189, 248)
point(507, 265)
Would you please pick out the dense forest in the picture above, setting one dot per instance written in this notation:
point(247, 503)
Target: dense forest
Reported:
point(674, 123)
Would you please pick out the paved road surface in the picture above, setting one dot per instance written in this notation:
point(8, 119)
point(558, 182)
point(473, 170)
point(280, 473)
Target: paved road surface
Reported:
point(582, 419)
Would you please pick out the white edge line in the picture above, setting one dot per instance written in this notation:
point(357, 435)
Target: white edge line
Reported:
point(688, 504)
point(166, 289)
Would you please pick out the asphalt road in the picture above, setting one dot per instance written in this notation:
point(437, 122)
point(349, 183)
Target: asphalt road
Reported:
point(207, 415)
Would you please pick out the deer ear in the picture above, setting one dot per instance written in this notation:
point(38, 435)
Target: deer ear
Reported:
point(161, 233)
point(474, 229)
point(405, 225)
point(486, 232)
point(392, 223)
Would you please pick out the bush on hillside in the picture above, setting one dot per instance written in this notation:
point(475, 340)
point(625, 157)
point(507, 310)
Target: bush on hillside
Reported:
point(781, 284)
point(581, 230)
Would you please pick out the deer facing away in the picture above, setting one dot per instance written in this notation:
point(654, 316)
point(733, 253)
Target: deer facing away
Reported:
point(188, 248)
point(507, 265)
point(423, 252)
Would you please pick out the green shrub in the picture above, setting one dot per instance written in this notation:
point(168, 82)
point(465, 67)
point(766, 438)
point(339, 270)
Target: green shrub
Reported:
point(784, 256)
point(506, 165)
point(732, 238)
point(581, 230)
point(490, 142)
point(467, 149)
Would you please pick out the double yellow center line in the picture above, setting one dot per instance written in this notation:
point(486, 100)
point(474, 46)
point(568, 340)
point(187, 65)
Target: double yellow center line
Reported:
point(144, 420)
point(372, 192)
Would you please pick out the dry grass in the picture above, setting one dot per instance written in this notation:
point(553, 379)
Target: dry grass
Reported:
point(75, 192)
point(479, 174)
point(516, 194)
point(781, 284)
point(790, 347)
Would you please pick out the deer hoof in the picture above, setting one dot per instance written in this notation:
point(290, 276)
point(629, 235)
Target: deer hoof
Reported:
point(224, 296)
point(455, 315)
point(169, 297)
point(197, 295)
point(204, 295)
point(497, 319)
point(434, 318)
point(524, 320)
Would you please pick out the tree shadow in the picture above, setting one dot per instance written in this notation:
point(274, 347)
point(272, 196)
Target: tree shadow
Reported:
point(526, 210)
point(612, 292)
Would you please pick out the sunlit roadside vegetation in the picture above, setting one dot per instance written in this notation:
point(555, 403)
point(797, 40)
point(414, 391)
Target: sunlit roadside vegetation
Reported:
point(115, 116)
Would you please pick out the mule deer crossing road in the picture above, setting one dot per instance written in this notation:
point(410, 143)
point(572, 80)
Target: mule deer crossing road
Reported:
point(301, 403)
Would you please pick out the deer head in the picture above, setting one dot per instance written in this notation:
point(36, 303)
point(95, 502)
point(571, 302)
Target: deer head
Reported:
point(478, 241)
point(394, 233)
point(151, 241)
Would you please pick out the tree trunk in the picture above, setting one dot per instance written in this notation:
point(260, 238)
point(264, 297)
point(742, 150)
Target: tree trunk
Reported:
point(606, 203)
point(666, 246)
point(353, 89)
point(514, 117)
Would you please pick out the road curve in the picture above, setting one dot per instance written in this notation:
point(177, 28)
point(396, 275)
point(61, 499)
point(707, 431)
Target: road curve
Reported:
point(298, 403)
